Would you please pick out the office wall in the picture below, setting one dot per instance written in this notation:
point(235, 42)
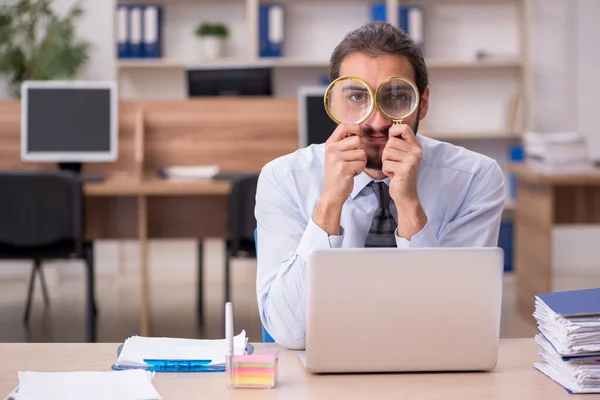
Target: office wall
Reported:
point(566, 60)
point(587, 83)
point(552, 53)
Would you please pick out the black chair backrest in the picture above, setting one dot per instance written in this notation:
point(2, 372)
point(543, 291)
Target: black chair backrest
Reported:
point(38, 208)
point(242, 200)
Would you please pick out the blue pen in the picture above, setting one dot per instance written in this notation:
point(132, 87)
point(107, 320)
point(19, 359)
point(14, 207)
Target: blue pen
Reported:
point(182, 366)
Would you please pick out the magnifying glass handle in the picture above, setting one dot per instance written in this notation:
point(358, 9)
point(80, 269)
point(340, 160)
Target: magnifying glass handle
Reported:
point(397, 121)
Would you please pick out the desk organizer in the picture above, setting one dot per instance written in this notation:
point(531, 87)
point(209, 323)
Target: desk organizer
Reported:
point(252, 370)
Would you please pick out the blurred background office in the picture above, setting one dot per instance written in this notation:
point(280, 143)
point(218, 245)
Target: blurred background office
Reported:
point(163, 113)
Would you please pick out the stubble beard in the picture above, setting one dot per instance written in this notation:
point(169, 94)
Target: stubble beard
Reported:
point(375, 151)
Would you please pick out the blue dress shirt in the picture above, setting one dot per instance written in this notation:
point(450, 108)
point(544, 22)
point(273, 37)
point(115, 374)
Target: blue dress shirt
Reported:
point(461, 192)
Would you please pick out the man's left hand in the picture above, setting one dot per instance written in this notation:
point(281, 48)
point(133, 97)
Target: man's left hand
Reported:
point(401, 162)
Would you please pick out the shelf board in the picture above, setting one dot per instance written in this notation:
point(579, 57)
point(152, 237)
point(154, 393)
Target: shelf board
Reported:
point(143, 63)
point(433, 63)
point(294, 62)
point(474, 135)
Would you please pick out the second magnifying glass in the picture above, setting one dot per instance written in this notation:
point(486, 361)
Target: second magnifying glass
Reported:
point(397, 98)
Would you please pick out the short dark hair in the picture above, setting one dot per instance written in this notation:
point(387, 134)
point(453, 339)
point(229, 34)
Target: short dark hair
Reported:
point(379, 38)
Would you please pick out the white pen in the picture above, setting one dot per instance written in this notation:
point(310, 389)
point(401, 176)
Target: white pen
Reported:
point(229, 327)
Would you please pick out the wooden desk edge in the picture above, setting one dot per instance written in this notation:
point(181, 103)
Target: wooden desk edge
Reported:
point(157, 187)
point(526, 173)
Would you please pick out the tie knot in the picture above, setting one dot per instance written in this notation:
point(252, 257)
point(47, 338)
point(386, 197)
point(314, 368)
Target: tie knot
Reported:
point(382, 192)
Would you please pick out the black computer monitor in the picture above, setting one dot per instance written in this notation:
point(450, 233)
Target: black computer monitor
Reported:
point(69, 122)
point(230, 82)
point(315, 126)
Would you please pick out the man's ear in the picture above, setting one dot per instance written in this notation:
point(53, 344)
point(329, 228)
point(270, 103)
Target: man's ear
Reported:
point(424, 104)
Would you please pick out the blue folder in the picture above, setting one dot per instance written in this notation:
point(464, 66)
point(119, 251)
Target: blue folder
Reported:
point(123, 32)
point(136, 30)
point(152, 31)
point(573, 303)
point(270, 30)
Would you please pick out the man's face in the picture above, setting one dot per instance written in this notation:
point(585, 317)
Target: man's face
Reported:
point(375, 70)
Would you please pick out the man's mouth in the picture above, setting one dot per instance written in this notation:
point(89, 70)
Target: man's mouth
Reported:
point(377, 137)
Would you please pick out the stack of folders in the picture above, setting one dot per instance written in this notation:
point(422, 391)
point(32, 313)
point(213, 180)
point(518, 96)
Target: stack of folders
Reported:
point(569, 338)
point(139, 31)
point(177, 355)
point(558, 152)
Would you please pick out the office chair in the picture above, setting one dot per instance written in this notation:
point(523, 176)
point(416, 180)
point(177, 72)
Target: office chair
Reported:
point(43, 218)
point(241, 225)
point(242, 222)
point(266, 337)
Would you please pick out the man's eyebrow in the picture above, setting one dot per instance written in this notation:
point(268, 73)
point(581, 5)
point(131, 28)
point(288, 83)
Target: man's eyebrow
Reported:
point(403, 87)
point(360, 88)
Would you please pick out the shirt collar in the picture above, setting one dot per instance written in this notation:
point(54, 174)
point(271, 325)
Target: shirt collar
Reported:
point(362, 180)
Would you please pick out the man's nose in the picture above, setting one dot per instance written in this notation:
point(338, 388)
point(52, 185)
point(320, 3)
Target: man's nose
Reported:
point(378, 121)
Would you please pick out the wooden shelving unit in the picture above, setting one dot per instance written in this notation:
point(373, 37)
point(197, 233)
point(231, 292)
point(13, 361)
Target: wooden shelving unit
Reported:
point(478, 103)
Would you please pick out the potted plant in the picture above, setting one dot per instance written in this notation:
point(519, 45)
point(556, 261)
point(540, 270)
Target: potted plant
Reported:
point(212, 37)
point(38, 44)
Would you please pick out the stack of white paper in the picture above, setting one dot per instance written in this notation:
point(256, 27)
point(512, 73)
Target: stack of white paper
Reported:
point(137, 350)
point(185, 172)
point(576, 374)
point(570, 336)
point(561, 152)
point(89, 385)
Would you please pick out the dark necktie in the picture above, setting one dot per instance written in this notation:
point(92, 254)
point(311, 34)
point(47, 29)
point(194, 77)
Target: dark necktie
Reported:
point(383, 226)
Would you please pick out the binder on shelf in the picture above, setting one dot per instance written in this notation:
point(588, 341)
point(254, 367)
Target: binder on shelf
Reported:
point(136, 30)
point(123, 41)
point(410, 20)
point(271, 30)
point(378, 12)
point(152, 32)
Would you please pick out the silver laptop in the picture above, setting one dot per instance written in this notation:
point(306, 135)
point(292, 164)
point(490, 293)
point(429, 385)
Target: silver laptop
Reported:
point(393, 310)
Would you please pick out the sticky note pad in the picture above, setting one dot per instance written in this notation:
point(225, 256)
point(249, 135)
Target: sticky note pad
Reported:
point(253, 370)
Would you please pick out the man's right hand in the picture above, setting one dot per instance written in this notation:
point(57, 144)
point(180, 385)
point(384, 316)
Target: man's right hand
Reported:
point(345, 158)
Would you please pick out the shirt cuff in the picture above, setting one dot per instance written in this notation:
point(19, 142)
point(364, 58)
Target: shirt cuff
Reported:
point(335, 242)
point(315, 238)
point(424, 238)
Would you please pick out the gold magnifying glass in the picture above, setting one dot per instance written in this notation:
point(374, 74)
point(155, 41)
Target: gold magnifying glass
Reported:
point(351, 99)
point(397, 98)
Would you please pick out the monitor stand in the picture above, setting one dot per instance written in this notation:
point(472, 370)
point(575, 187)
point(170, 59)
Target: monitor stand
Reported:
point(75, 167)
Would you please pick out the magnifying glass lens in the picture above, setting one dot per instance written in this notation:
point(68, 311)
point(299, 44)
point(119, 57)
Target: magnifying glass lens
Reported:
point(349, 100)
point(397, 98)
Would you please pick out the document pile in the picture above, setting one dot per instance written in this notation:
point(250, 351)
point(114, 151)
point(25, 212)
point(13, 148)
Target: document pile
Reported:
point(176, 355)
point(188, 172)
point(569, 338)
point(89, 385)
point(560, 153)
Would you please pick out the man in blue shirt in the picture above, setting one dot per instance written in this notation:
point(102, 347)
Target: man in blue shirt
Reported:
point(370, 185)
